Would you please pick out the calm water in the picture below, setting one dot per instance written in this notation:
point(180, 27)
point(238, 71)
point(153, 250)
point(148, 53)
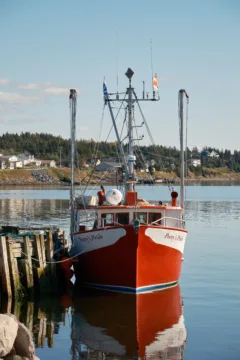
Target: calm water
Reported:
point(210, 286)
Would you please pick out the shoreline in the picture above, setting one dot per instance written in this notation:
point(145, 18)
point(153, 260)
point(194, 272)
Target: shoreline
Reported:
point(60, 177)
point(67, 185)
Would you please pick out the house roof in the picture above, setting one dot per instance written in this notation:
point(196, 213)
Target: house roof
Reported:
point(110, 163)
point(5, 157)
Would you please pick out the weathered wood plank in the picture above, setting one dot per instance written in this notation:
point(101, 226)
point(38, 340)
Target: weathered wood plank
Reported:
point(17, 288)
point(28, 269)
point(51, 266)
point(15, 245)
point(38, 251)
point(4, 268)
point(42, 242)
point(17, 253)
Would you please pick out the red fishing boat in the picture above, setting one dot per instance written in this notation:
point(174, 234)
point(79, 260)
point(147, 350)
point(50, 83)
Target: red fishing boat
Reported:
point(133, 246)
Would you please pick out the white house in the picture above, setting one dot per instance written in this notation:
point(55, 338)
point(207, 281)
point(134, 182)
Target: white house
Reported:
point(48, 163)
point(25, 158)
point(10, 162)
point(195, 162)
point(37, 162)
point(213, 154)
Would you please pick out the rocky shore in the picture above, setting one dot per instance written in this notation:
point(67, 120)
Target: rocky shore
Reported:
point(57, 177)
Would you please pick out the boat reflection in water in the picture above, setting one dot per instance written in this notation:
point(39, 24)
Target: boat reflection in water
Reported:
point(123, 326)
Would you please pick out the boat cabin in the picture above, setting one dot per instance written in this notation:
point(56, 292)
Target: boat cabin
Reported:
point(137, 209)
point(149, 214)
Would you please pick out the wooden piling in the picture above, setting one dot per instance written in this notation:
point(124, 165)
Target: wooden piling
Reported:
point(26, 265)
point(51, 262)
point(39, 263)
point(17, 308)
point(28, 270)
point(17, 287)
point(42, 245)
point(4, 269)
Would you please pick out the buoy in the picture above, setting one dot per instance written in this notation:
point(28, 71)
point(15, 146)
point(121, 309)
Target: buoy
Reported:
point(68, 274)
point(66, 263)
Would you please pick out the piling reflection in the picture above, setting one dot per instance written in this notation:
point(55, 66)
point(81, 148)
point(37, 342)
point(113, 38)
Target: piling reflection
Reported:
point(107, 325)
point(43, 318)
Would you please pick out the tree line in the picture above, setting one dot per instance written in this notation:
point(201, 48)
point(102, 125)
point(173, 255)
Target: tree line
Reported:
point(49, 147)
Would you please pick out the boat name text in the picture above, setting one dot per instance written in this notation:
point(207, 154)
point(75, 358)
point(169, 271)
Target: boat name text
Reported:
point(91, 237)
point(173, 237)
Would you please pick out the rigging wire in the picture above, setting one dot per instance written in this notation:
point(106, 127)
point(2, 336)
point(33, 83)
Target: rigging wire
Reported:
point(115, 118)
point(100, 133)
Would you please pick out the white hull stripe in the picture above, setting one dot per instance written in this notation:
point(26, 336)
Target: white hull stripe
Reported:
point(131, 290)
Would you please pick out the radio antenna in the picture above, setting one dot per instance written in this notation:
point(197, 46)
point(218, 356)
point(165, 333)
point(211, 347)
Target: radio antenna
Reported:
point(151, 60)
point(117, 58)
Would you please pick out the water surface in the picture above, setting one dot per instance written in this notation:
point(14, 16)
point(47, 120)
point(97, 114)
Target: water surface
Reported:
point(210, 286)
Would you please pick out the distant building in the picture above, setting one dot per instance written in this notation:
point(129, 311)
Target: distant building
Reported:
point(195, 162)
point(207, 154)
point(48, 163)
point(10, 162)
point(213, 154)
point(26, 158)
point(91, 162)
point(108, 166)
point(36, 162)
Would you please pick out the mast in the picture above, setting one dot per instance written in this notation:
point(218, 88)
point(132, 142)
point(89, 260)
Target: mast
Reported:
point(131, 156)
point(181, 94)
point(73, 110)
point(131, 98)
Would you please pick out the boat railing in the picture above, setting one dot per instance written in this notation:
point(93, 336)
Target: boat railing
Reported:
point(164, 218)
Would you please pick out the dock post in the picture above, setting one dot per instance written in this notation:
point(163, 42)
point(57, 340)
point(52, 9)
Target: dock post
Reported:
point(50, 259)
point(4, 268)
point(17, 287)
point(39, 269)
point(28, 269)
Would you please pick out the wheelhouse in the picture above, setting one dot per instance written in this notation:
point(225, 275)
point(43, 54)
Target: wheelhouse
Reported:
point(149, 215)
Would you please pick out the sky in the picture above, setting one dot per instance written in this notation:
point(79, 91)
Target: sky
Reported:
point(48, 47)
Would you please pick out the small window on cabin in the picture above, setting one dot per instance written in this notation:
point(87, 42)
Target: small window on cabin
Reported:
point(107, 219)
point(154, 217)
point(123, 218)
point(142, 217)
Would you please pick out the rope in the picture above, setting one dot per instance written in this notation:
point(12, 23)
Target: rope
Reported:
point(54, 262)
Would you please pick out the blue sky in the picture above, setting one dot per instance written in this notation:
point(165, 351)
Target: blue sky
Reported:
point(48, 47)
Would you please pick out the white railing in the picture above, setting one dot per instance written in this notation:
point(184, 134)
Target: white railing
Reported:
point(164, 218)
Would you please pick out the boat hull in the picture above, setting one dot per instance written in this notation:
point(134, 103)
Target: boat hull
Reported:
point(129, 260)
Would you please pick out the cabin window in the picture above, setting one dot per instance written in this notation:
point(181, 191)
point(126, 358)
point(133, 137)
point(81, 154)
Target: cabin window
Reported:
point(142, 217)
point(123, 218)
point(107, 219)
point(154, 217)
